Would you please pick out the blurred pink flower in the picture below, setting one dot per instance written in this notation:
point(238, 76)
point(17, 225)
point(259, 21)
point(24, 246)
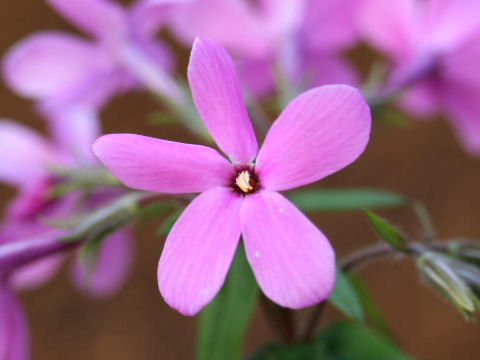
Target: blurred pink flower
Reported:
point(66, 72)
point(301, 39)
point(13, 329)
point(319, 132)
point(25, 158)
point(434, 46)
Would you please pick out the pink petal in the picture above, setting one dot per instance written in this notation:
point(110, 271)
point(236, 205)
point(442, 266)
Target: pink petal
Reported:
point(149, 16)
point(292, 260)
point(48, 64)
point(147, 62)
point(257, 77)
point(449, 22)
point(13, 328)
point(37, 273)
point(24, 154)
point(421, 99)
point(320, 132)
point(218, 98)
point(199, 250)
point(75, 129)
point(150, 164)
point(99, 18)
point(232, 23)
point(320, 69)
point(330, 25)
point(460, 64)
point(111, 267)
point(390, 26)
point(463, 107)
point(282, 18)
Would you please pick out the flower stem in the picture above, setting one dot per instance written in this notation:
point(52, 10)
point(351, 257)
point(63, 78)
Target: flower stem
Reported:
point(280, 319)
point(363, 257)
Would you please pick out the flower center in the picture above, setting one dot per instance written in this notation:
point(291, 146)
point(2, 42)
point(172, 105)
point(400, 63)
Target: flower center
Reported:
point(245, 181)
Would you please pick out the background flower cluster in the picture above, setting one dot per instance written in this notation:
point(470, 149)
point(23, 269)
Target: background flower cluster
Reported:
point(411, 60)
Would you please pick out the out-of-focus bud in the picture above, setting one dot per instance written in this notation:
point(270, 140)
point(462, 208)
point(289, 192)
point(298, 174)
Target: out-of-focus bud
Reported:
point(465, 250)
point(450, 279)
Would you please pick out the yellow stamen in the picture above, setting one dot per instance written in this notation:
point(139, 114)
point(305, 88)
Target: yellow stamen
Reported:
point(243, 181)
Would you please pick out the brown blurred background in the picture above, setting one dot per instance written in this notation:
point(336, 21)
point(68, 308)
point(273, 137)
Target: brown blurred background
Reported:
point(422, 160)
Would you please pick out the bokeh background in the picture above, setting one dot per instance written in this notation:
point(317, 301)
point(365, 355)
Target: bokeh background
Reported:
point(421, 160)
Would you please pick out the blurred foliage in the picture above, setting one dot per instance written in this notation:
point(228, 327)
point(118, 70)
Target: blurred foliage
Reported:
point(340, 341)
point(345, 299)
point(345, 199)
point(386, 232)
point(223, 322)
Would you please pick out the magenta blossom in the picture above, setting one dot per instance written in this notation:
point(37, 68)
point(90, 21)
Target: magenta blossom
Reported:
point(301, 39)
point(13, 329)
point(319, 132)
point(25, 162)
point(67, 73)
point(434, 46)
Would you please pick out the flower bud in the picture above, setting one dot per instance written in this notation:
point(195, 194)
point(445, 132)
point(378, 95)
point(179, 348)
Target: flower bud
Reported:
point(445, 277)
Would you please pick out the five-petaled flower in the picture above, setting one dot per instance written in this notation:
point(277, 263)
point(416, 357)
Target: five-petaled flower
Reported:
point(319, 132)
point(434, 47)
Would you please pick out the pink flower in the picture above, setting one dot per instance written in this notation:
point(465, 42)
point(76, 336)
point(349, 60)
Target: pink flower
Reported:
point(300, 38)
point(13, 329)
point(319, 132)
point(434, 46)
point(25, 158)
point(64, 71)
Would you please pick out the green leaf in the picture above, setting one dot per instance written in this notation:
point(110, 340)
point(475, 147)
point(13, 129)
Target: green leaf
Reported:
point(373, 315)
point(349, 341)
point(345, 199)
point(345, 299)
point(168, 223)
point(386, 232)
point(340, 341)
point(222, 323)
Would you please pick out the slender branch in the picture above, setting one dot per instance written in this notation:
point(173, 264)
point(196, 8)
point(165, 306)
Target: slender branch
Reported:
point(16, 254)
point(19, 253)
point(364, 257)
point(312, 323)
point(280, 319)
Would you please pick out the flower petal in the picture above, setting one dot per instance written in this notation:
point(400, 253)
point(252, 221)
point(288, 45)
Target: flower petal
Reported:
point(37, 273)
point(257, 77)
point(320, 132)
point(218, 98)
point(462, 106)
point(461, 63)
point(99, 18)
point(48, 64)
point(292, 260)
point(390, 26)
point(450, 22)
point(75, 129)
point(231, 22)
point(321, 69)
point(13, 328)
point(24, 154)
point(148, 16)
point(145, 163)
point(111, 268)
point(421, 99)
point(199, 250)
point(331, 25)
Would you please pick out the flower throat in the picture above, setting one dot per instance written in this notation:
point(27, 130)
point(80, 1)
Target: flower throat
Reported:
point(245, 181)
